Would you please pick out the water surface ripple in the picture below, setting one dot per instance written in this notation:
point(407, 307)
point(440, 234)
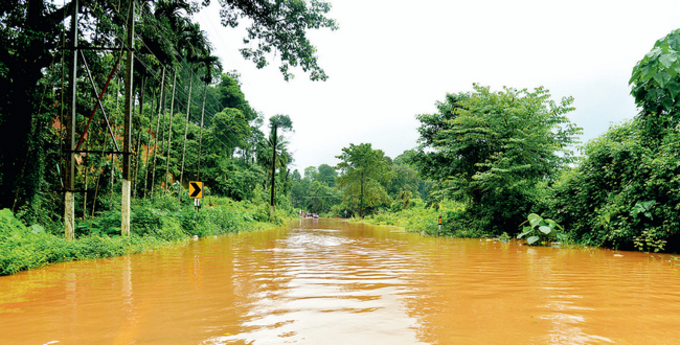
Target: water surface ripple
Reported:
point(329, 282)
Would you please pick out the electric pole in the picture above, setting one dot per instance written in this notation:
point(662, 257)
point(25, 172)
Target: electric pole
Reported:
point(127, 127)
point(69, 203)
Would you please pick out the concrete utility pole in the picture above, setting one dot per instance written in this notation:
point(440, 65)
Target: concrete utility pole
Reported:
point(127, 130)
point(69, 204)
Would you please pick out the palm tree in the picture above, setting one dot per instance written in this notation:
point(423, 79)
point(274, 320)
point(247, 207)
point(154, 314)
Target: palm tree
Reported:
point(195, 46)
point(284, 123)
point(208, 63)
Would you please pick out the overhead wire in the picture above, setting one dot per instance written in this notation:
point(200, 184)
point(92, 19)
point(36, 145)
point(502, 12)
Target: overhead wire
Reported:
point(181, 66)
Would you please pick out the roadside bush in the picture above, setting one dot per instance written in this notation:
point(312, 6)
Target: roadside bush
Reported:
point(421, 218)
point(161, 222)
point(23, 248)
point(621, 189)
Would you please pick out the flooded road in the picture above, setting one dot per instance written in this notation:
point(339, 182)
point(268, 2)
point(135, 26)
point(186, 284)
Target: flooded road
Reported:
point(329, 282)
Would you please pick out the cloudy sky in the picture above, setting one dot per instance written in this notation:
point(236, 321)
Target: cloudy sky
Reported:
point(392, 60)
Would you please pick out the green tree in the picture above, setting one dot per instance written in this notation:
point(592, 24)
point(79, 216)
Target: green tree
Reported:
point(656, 86)
point(625, 191)
point(299, 190)
point(276, 123)
point(31, 71)
point(327, 175)
point(228, 94)
point(321, 197)
point(231, 128)
point(494, 149)
point(362, 172)
point(311, 173)
point(281, 25)
point(403, 179)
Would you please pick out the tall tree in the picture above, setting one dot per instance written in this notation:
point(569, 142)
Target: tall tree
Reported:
point(195, 48)
point(283, 123)
point(492, 149)
point(363, 170)
point(30, 32)
point(281, 25)
point(327, 175)
point(656, 87)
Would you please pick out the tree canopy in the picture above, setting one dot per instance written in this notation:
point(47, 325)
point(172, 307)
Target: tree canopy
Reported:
point(492, 149)
point(36, 37)
point(362, 170)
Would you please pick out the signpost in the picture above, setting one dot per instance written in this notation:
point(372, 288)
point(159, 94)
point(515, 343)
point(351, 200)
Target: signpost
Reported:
point(196, 193)
point(196, 190)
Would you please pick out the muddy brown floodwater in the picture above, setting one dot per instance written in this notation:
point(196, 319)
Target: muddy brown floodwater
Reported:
point(329, 282)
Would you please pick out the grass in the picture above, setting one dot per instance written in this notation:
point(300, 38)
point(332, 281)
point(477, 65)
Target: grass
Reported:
point(418, 218)
point(160, 223)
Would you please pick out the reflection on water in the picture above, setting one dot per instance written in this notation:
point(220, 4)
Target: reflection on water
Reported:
point(328, 282)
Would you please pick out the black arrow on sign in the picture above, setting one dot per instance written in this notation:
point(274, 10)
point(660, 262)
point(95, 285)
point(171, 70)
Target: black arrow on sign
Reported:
point(197, 189)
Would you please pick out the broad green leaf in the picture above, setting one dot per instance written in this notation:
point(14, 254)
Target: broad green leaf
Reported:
point(534, 219)
point(648, 76)
point(667, 102)
point(647, 205)
point(674, 88)
point(655, 93)
point(544, 229)
point(674, 40)
point(654, 53)
point(662, 78)
point(551, 223)
point(636, 75)
point(645, 68)
point(532, 239)
point(35, 228)
point(522, 235)
point(668, 59)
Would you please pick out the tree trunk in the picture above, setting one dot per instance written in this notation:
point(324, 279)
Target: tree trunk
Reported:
point(158, 123)
point(172, 109)
point(113, 157)
point(273, 201)
point(200, 136)
point(186, 130)
point(148, 147)
point(139, 138)
point(361, 198)
point(24, 68)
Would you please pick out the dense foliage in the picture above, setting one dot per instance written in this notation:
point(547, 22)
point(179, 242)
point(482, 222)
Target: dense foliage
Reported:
point(158, 223)
point(315, 191)
point(185, 108)
point(495, 151)
point(625, 193)
point(190, 121)
point(363, 171)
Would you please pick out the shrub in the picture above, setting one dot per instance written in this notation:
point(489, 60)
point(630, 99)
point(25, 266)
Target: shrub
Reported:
point(621, 188)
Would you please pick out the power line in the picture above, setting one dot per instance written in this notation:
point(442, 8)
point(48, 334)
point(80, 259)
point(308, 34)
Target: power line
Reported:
point(181, 67)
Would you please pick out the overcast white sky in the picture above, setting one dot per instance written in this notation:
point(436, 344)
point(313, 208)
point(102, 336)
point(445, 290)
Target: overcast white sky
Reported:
point(391, 60)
